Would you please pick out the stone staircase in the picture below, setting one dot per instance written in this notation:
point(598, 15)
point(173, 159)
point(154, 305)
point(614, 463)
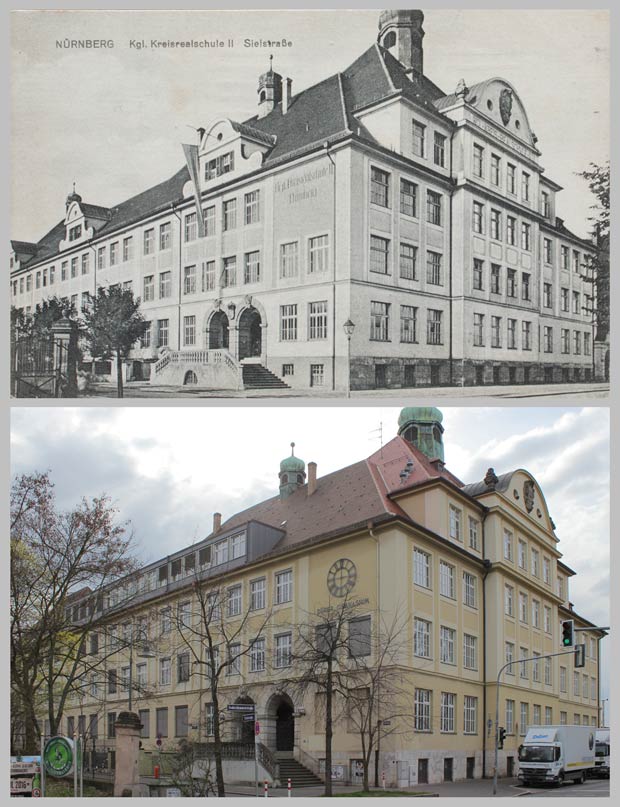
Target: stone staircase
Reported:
point(299, 775)
point(255, 376)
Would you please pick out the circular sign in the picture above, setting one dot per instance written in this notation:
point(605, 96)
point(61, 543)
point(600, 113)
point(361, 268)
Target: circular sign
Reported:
point(58, 756)
point(341, 577)
point(36, 793)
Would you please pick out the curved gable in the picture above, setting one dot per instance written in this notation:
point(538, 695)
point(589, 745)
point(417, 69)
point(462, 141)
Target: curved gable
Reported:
point(498, 100)
point(524, 492)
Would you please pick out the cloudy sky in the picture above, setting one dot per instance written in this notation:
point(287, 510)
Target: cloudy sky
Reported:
point(113, 119)
point(168, 469)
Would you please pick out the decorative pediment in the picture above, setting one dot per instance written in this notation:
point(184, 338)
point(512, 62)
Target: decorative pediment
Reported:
point(525, 492)
point(497, 99)
point(82, 222)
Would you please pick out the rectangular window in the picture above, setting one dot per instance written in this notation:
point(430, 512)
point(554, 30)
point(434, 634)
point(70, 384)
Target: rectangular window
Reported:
point(379, 254)
point(446, 580)
point(544, 203)
point(562, 679)
point(251, 267)
point(111, 726)
point(419, 137)
point(433, 335)
point(148, 288)
point(209, 220)
point(257, 655)
point(229, 211)
point(162, 332)
point(478, 217)
point(478, 160)
point(448, 704)
point(408, 198)
point(75, 232)
point(180, 721)
point(548, 672)
point(495, 169)
point(526, 241)
point(182, 668)
point(496, 224)
point(587, 345)
point(113, 255)
point(161, 721)
point(189, 230)
point(522, 664)
point(576, 303)
point(421, 638)
point(234, 601)
point(284, 587)
point(189, 280)
point(564, 258)
point(511, 177)
point(219, 166)
point(523, 607)
point(470, 652)
point(408, 324)
point(546, 570)
point(509, 600)
point(576, 264)
point(318, 253)
point(74, 271)
point(252, 207)
point(112, 682)
point(535, 614)
point(220, 552)
point(564, 299)
point(511, 231)
point(164, 671)
point(288, 323)
point(289, 259)
point(208, 276)
point(422, 710)
point(85, 265)
point(283, 650)
point(433, 268)
point(524, 719)
point(447, 637)
point(508, 544)
point(473, 533)
point(525, 286)
point(165, 233)
point(526, 335)
point(433, 208)
point(536, 667)
point(510, 655)
point(379, 187)
point(421, 568)
point(439, 150)
point(547, 257)
point(229, 271)
point(496, 331)
point(456, 515)
point(359, 637)
point(565, 340)
point(165, 285)
point(407, 261)
point(522, 554)
point(547, 295)
point(470, 715)
point(257, 594)
point(237, 546)
point(379, 321)
point(495, 279)
point(477, 276)
point(525, 186)
point(469, 589)
point(535, 562)
point(510, 716)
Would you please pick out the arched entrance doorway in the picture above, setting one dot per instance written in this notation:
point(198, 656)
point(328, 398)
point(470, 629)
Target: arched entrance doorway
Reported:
point(250, 333)
point(245, 728)
point(218, 331)
point(285, 726)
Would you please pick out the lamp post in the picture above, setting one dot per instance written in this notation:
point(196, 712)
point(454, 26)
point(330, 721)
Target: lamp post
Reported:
point(144, 653)
point(349, 327)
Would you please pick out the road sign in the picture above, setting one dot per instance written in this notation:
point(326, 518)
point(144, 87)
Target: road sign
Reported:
point(257, 728)
point(240, 707)
point(58, 756)
point(249, 718)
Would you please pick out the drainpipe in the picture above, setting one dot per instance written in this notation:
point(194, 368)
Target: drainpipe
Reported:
point(332, 161)
point(451, 375)
point(487, 569)
point(377, 612)
point(174, 210)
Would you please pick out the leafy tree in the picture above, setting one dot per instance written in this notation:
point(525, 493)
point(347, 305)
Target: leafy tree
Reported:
point(60, 562)
point(113, 325)
point(597, 177)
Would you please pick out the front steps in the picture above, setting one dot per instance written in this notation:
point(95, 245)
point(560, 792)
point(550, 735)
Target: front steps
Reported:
point(299, 775)
point(255, 376)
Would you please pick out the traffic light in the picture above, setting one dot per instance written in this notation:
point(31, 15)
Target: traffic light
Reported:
point(580, 655)
point(568, 633)
point(501, 736)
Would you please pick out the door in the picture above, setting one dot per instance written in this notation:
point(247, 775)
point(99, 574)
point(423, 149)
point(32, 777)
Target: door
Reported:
point(448, 769)
point(423, 771)
point(285, 728)
point(250, 334)
point(471, 764)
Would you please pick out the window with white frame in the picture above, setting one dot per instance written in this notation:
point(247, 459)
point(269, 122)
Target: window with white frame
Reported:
point(421, 568)
point(470, 714)
point(470, 651)
point(164, 671)
point(422, 638)
point(220, 552)
point(456, 515)
point(257, 594)
point(536, 666)
point(469, 589)
point(189, 280)
point(508, 545)
point(317, 316)
point(535, 614)
point(446, 580)
point(289, 259)
point(523, 607)
point(166, 620)
point(546, 570)
point(208, 275)
point(547, 618)
point(318, 252)
point(585, 689)
point(522, 554)
point(237, 545)
point(562, 679)
point(229, 214)
point(509, 650)
point(535, 562)
point(209, 719)
point(284, 586)
point(208, 216)
point(447, 638)
point(524, 718)
point(257, 655)
point(422, 710)
point(537, 712)
point(563, 718)
point(234, 600)
point(379, 187)
point(510, 716)
point(283, 650)
point(473, 533)
point(547, 672)
point(234, 659)
point(189, 330)
point(522, 664)
point(448, 704)
point(288, 322)
point(252, 207)
point(509, 600)
point(379, 321)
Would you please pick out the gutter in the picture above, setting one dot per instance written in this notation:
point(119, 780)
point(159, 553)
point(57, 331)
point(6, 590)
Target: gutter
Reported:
point(487, 569)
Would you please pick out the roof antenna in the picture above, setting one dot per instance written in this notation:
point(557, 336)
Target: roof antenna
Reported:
point(378, 431)
point(292, 449)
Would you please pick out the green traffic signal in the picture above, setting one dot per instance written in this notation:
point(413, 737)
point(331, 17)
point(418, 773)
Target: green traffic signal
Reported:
point(568, 633)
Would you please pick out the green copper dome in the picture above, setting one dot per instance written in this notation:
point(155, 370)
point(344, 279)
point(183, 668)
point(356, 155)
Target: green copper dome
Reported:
point(292, 474)
point(421, 426)
point(292, 464)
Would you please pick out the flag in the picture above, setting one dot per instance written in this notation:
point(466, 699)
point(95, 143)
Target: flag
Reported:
point(191, 157)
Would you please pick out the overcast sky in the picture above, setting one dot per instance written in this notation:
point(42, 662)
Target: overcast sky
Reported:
point(112, 120)
point(168, 469)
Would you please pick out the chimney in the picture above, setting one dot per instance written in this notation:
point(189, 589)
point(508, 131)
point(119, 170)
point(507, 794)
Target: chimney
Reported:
point(217, 522)
point(311, 478)
point(286, 95)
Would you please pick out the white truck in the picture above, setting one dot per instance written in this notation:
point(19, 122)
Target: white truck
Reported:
point(601, 753)
point(555, 754)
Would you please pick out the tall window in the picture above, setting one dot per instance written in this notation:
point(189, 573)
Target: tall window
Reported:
point(535, 613)
point(547, 296)
point(189, 229)
point(189, 280)
point(234, 600)
point(525, 186)
point(165, 284)
point(544, 200)
point(526, 230)
point(469, 589)
point(478, 330)
point(433, 268)
point(209, 220)
point(208, 276)
point(379, 321)
point(510, 655)
point(511, 230)
point(422, 710)
point(508, 545)
point(511, 178)
point(473, 533)
point(289, 259)
point(421, 638)
point(495, 279)
point(252, 207)
point(433, 207)
point(496, 220)
point(257, 594)
point(478, 217)
point(456, 527)
point(229, 210)
point(509, 600)
point(564, 299)
point(433, 335)
point(446, 580)
point(564, 258)
point(162, 332)
point(148, 288)
point(565, 340)
point(189, 331)
point(165, 233)
point(421, 568)
point(470, 652)
point(495, 169)
point(379, 254)
point(536, 666)
point(523, 607)
point(522, 554)
point(547, 250)
point(547, 669)
point(229, 271)
point(510, 716)
point(522, 663)
point(408, 198)
point(525, 286)
point(407, 261)
point(477, 275)
point(284, 587)
point(257, 655)
point(288, 323)
point(283, 650)
point(478, 160)
point(419, 137)
point(439, 150)
point(470, 714)
point(511, 282)
point(408, 323)
point(183, 667)
point(318, 250)
point(317, 316)
point(251, 267)
point(447, 637)
point(379, 187)
point(526, 335)
point(164, 671)
point(448, 704)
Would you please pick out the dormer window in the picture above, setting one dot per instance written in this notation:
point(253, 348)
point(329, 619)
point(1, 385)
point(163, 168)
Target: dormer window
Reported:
point(223, 164)
point(75, 232)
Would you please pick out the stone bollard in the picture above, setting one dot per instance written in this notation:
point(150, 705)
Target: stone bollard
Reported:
point(127, 775)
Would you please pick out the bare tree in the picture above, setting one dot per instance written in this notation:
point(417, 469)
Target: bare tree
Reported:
point(61, 563)
point(217, 635)
point(378, 696)
point(191, 772)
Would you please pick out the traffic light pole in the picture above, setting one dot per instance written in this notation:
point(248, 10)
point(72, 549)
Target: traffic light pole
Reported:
point(499, 675)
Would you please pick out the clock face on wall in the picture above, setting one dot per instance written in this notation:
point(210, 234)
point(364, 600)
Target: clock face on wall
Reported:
point(341, 577)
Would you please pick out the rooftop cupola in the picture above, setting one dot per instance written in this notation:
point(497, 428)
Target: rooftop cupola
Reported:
point(72, 197)
point(269, 90)
point(292, 474)
point(421, 426)
point(401, 32)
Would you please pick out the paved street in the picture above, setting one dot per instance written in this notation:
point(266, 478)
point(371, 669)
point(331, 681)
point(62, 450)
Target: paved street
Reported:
point(567, 392)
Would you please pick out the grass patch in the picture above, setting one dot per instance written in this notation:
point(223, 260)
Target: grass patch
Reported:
point(62, 789)
point(378, 794)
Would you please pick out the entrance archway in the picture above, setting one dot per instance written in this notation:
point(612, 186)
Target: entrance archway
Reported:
point(245, 728)
point(250, 333)
point(218, 331)
point(285, 726)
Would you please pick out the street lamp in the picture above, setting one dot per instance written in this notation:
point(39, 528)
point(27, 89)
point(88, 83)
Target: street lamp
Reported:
point(349, 327)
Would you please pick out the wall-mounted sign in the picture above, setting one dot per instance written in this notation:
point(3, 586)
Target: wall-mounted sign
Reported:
point(58, 756)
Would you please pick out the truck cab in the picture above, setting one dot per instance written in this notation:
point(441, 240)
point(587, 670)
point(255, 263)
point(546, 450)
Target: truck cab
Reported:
point(602, 754)
point(554, 754)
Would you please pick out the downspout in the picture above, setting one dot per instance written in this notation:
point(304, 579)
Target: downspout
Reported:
point(332, 161)
point(377, 611)
point(487, 569)
point(172, 207)
point(451, 374)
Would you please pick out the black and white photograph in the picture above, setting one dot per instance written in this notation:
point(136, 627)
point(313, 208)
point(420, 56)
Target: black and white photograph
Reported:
point(321, 203)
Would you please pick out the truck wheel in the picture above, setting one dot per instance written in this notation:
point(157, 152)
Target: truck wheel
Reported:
point(582, 779)
point(560, 781)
